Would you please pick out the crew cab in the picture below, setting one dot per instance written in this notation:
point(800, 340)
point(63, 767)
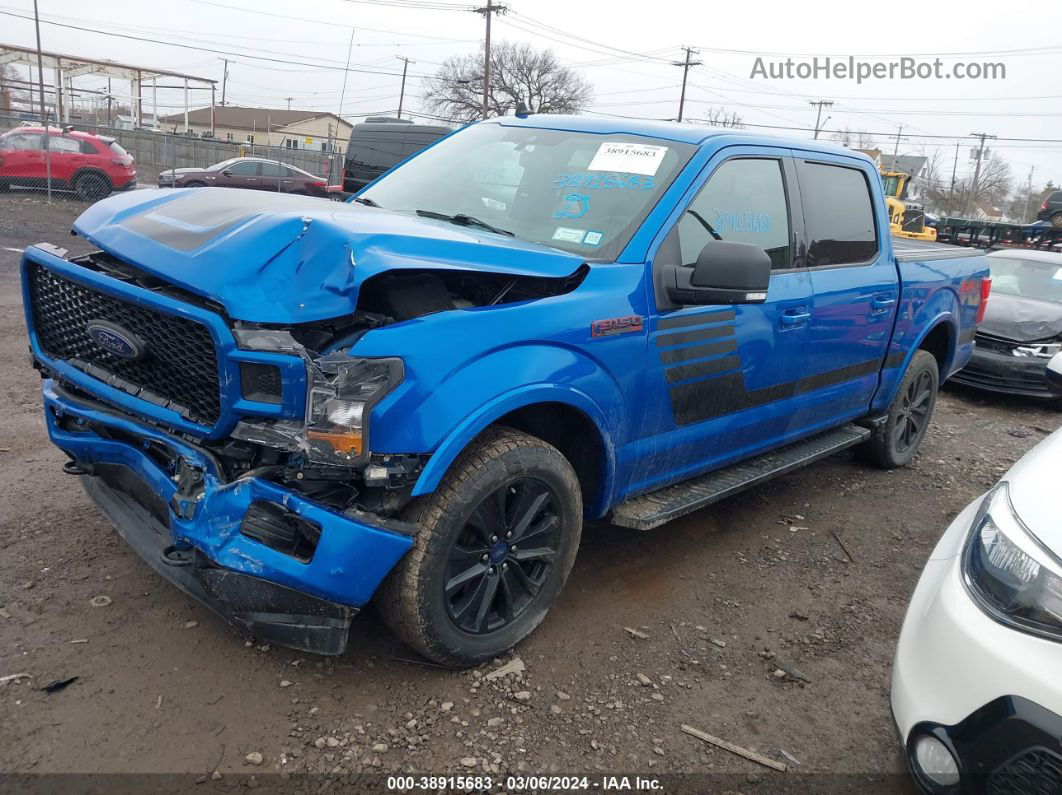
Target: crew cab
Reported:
point(290, 408)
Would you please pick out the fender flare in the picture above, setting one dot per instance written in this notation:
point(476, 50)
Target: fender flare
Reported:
point(488, 413)
point(941, 318)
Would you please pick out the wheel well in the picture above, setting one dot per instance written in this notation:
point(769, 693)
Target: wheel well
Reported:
point(93, 171)
point(939, 343)
point(571, 432)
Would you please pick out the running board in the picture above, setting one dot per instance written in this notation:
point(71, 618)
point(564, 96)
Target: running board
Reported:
point(658, 507)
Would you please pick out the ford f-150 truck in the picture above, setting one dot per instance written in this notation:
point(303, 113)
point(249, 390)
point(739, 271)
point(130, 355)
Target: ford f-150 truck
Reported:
point(289, 407)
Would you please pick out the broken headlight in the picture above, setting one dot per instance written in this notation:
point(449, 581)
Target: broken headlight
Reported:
point(343, 390)
point(1009, 573)
point(1040, 350)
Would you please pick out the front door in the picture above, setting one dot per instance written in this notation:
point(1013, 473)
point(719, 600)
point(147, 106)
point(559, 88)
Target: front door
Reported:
point(855, 285)
point(243, 174)
point(721, 378)
point(22, 159)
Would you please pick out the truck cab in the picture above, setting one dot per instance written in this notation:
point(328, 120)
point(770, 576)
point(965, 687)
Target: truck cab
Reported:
point(291, 408)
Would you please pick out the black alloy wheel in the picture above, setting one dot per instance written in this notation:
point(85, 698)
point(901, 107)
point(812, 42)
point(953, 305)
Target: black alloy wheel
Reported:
point(914, 412)
point(502, 557)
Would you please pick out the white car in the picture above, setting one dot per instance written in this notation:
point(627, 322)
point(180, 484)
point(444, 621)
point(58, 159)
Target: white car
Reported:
point(977, 681)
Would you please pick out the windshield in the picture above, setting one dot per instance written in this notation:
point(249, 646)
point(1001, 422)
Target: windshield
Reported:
point(224, 164)
point(580, 192)
point(1027, 278)
point(890, 184)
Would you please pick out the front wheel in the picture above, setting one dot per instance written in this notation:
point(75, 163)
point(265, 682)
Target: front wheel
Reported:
point(496, 543)
point(895, 442)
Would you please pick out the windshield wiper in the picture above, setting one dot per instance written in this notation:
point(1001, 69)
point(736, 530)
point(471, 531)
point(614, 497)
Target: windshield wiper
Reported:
point(463, 220)
point(366, 201)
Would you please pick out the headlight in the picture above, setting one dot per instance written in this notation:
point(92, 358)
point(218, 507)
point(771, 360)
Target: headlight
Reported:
point(1043, 350)
point(343, 391)
point(1009, 572)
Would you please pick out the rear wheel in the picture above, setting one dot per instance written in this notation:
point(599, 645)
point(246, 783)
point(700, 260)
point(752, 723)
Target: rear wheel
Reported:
point(496, 543)
point(195, 184)
point(895, 442)
point(90, 187)
point(1056, 220)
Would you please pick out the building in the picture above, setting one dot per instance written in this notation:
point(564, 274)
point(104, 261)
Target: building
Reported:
point(294, 129)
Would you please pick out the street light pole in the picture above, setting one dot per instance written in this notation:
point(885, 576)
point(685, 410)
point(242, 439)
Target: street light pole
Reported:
point(820, 104)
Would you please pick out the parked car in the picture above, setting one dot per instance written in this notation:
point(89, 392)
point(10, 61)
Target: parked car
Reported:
point(248, 172)
point(89, 165)
point(1051, 209)
point(378, 145)
point(975, 691)
point(1022, 328)
point(425, 391)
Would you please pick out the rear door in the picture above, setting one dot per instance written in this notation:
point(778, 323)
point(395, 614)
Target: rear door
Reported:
point(855, 285)
point(720, 378)
point(66, 157)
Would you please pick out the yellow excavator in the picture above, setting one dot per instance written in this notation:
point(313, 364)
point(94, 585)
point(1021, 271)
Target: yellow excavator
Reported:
point(906, 219)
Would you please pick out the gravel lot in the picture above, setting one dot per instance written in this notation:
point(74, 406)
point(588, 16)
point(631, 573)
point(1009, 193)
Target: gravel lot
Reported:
point(812, 570)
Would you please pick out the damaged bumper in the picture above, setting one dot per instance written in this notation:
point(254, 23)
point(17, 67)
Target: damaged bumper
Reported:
point(1004, 372)
point(225, 543)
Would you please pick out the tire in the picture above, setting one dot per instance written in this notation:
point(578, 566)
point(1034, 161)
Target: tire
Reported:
point(195, 184)
point(498, 480)
point(4, 187)
point(1056, 220)
point(895, 442)
point(91, 187)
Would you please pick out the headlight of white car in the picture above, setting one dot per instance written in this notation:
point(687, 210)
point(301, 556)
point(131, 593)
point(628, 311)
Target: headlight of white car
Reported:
point(1009, 572)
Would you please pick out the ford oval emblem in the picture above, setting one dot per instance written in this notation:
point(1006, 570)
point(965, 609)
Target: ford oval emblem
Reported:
point(115, 339)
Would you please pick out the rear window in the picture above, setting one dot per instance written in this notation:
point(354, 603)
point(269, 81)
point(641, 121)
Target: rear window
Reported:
point(117, 148)
point(838, 214)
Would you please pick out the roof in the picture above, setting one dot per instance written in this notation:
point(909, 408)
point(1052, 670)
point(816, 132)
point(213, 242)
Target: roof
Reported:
point(904, 164)
point(60, 131)
point(672, 131)
point(247, 118)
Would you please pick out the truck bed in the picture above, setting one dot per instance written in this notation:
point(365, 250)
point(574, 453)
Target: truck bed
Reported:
point(908, 250)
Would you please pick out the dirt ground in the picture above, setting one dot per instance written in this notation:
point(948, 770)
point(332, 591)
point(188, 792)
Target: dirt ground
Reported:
point(813, 570)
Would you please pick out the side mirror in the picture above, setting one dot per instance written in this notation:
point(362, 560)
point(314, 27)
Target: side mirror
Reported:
point(227, 172)
point(1053, 374)
point(726, 273)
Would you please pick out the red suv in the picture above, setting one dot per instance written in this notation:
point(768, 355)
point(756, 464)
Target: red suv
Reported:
point(90, 165)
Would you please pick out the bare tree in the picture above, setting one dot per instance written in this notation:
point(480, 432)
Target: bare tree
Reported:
point(864, 141)
point(718, 117)
point(518, 74)
point(843, 137)
point(12, 91)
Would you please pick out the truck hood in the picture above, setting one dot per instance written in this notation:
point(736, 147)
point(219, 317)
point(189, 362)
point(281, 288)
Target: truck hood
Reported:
point(1021, 319)
point(278, 258)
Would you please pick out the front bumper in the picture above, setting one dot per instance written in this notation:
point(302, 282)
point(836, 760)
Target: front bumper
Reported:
point(988, 692)
point(194, 538)
point(1002, 372)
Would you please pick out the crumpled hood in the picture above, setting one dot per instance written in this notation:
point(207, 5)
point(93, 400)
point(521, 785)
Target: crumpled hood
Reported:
point(278, 258)
point(1021, 319)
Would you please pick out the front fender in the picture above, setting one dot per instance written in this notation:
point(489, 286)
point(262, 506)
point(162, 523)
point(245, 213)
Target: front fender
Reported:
point(493, 410)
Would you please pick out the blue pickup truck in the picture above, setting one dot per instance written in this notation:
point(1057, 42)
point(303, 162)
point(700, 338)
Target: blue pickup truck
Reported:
point(290, 407)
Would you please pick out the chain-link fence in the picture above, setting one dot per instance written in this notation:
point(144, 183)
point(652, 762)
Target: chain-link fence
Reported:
point(89, 162)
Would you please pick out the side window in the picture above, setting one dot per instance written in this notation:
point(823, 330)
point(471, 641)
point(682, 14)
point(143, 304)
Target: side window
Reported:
point(65, 145)
point(743, 201)
point(378, 152)
point(21, 142)
point(87, 148)
point(838, 214)
point(271, 170)
point(247, 168)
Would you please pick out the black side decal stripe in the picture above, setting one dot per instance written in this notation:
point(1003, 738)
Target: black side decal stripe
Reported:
point(695, 336)
point(715, 397)
point(894, 359)
point(682, 321)
point(709, 367)
point(698, 351)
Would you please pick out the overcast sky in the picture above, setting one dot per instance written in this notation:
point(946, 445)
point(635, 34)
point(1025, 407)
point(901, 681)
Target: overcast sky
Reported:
point(625, 49)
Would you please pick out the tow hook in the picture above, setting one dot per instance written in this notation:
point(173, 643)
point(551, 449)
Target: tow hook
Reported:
point(189, 479)
point(74, 468)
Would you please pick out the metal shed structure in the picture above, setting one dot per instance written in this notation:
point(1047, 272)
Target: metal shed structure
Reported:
point(64, 68)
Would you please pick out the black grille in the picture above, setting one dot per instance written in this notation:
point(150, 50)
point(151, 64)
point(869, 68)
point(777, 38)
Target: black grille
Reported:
point(1036, 772)
point(995, 344)
point(177, 371)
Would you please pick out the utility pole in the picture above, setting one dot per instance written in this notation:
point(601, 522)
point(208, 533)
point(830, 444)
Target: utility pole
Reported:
point(951, 190)
point(980, 156)
point(40, 66)
point(896, 149)
point(224, 80)
point(686, 64)
point(820, 104)
point(1028, 195)
point(346, 73)
point(402, 93)
point(488, 11)
point(289, 101)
